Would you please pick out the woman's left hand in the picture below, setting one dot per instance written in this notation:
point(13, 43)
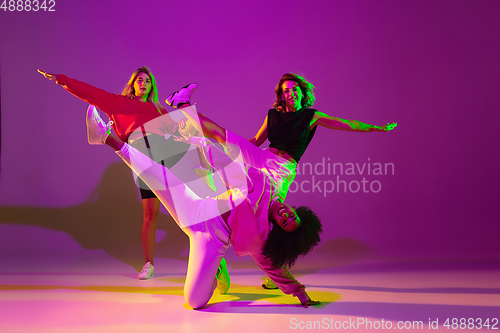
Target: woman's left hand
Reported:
point(310, 302)
point(389, 127)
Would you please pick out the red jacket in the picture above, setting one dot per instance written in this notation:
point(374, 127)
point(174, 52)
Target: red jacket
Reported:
point(127, 114)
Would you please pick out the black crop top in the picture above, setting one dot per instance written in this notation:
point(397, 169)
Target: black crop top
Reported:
point(290, 131)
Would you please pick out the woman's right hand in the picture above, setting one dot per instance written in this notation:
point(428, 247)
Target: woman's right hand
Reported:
point(183, 123)
point(182, 138)
point(51, 77)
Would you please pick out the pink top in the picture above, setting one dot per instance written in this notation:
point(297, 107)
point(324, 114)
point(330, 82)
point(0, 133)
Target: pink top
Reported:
point(127, 114)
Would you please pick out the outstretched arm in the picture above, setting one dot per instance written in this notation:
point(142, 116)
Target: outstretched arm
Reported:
point(51, 77)
point(102, 99)
point(321, 119)
point(261, 135)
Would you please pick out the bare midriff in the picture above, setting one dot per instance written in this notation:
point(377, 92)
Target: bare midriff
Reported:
point(282, 153)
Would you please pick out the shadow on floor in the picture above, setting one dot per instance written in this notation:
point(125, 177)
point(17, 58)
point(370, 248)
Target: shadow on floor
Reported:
point(111, 220)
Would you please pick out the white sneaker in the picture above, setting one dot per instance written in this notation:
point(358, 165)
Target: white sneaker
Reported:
point(176, 99)
point(223, 280)
point(97, 130)
point(147, 271)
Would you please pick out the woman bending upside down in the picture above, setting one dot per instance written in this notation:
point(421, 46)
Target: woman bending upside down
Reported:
point(250, 215)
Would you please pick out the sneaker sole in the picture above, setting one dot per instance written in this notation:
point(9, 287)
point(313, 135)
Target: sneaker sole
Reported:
point(92, 132)
point(226, 276)
point(176, 92)
point(265, 286)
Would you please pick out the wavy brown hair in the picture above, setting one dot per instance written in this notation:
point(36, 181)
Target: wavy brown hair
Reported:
point(129, 90)
point(307, 89)
point(283, 247)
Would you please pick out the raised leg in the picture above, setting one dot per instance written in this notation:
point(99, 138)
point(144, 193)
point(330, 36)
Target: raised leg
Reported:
point(180, 201)
point(203, 124)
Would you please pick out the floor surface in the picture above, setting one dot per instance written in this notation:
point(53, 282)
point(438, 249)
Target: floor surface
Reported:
point(93, 292)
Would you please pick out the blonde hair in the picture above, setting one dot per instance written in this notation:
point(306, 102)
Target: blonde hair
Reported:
point(129, 90)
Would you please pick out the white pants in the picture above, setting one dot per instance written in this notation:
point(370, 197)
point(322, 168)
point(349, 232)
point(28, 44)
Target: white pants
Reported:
point(281, 170)
point(209, 235)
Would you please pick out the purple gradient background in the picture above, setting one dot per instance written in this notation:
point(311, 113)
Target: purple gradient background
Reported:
point(431, 66)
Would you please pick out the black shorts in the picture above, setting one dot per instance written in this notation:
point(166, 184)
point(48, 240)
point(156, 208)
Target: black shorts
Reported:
point(167, 152)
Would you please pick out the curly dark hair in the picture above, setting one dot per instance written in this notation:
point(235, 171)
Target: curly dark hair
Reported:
point(305, 87)
point(283, 247)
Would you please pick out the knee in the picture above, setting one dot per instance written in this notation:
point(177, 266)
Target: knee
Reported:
point(149, 221)
point(196, 302)
point(150, 210)
point(196, 298)
point(149, 217)
point(219, 134)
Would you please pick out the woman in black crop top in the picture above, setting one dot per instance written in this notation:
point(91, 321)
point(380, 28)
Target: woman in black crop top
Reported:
point(291, 124)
